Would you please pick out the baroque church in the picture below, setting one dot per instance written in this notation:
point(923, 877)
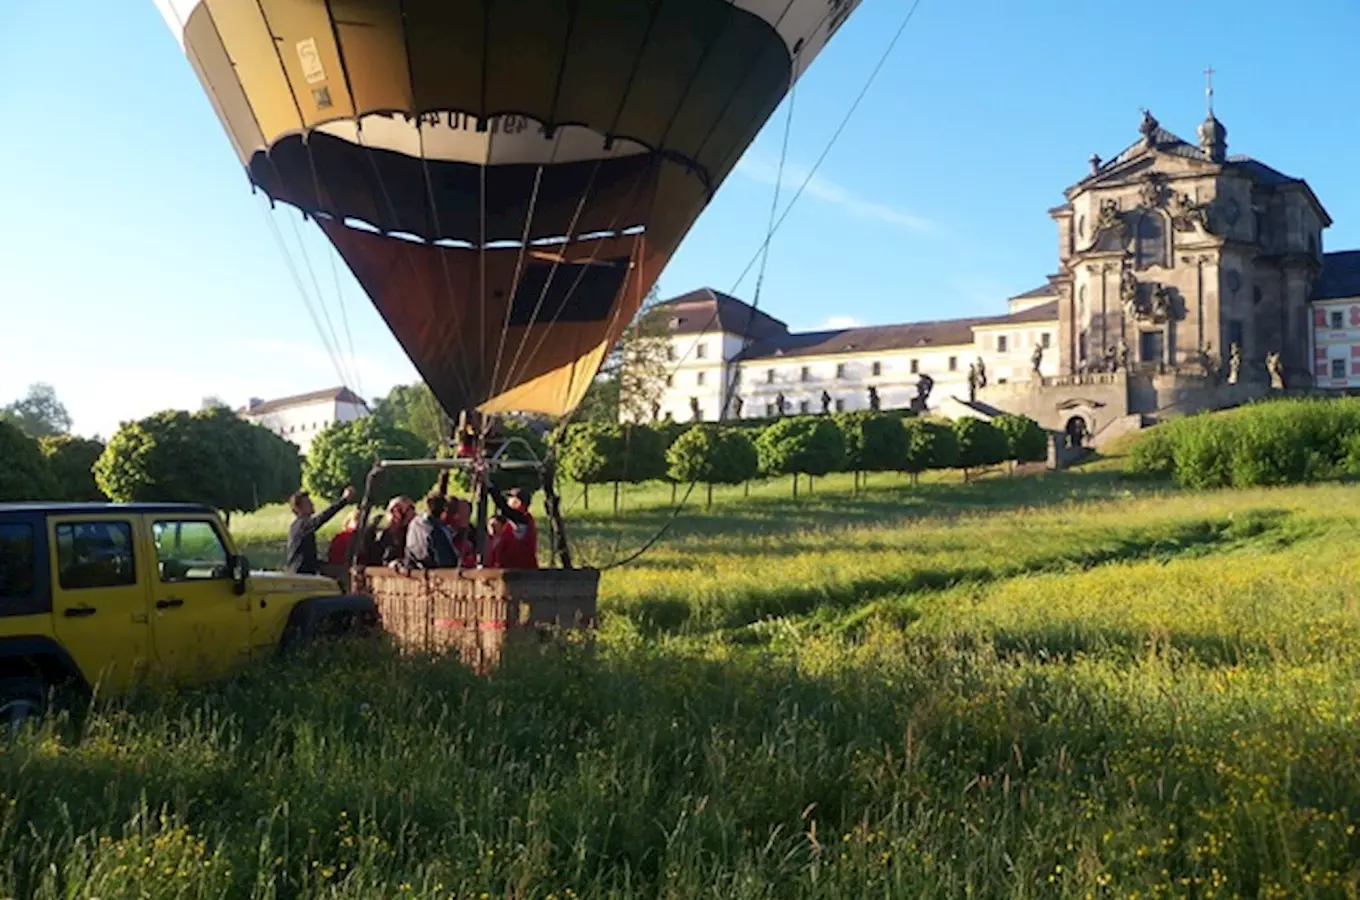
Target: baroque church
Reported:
point(1187, 279)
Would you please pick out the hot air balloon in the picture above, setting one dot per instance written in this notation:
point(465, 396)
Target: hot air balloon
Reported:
point(505, 178)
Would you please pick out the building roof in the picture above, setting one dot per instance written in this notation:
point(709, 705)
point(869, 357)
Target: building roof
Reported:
point(880, 338)
point(707, 310)
point(1046, 290)
point(1340, 276)
point(336, 394)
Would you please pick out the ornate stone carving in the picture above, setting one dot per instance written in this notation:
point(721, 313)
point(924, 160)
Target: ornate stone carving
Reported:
point(780, 402)
point(737, 404)
point(1122, 355)
point(1148, 129)
point(1036, 359)
point(982, 372)
point(1186, 214)
point(1152, 303)
point(1109, 217)
point(694, 408)
point(873, 398)
point(972, 382)
point(826, 403)
point(1152, 193)
point(1234, 363)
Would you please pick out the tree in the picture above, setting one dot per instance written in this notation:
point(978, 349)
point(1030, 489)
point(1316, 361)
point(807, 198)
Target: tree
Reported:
point(211, 457)
point(874, 442)
point(930, 445)
point(637, 366)
point(39, 413)
point(592, 453)
point(980, 444)
point(806, 445)
point(712, 455)
point(24, 474)
point(413, 408)
point(1027, 442)
point(344, 452)
point(644, 453)
point(71, 462)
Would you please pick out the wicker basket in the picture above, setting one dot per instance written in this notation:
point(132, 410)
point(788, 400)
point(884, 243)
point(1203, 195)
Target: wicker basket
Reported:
point(482, 613)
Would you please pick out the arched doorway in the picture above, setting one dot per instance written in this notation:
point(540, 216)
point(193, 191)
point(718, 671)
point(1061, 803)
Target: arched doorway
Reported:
point(1076, 432)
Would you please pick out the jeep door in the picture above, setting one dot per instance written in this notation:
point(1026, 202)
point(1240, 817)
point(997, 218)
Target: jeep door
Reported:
point(99, 596)
point(202, 628)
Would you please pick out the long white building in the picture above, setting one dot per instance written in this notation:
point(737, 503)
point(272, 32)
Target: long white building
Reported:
point(720, 345)
point(301, 418)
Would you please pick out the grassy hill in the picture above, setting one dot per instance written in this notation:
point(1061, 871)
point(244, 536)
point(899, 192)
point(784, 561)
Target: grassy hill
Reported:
point(1052, 686)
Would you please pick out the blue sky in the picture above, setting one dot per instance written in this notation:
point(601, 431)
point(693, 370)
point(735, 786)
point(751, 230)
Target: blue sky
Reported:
point(138, 272)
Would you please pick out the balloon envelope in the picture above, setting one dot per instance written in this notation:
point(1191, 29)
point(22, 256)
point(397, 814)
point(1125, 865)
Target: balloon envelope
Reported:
point(505, 178)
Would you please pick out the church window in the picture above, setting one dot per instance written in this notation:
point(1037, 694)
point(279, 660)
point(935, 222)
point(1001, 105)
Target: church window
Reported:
point(1337, 322)
point(840, 406)
point(840, 370)
point(1000, 343)
point(700, 378)
point(769, 376)
point(701, 351)
point(953, 363)
point(1046, 339)
point(1149, 238)
point(1339, 368)
point(915, 367)
point(803, 406)
point(806, 374)
point(878, 368)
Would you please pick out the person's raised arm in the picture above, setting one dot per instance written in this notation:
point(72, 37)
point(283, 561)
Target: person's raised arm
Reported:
point(329, 512)
point(514, 515)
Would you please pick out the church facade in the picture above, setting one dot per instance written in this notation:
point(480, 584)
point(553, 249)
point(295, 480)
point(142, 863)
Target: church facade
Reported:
point(1187, 278)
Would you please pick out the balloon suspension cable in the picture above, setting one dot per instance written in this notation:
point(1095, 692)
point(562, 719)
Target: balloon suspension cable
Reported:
point(835, 137)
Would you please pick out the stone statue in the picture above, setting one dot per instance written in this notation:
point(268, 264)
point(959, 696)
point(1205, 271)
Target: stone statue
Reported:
point(1128, 293)
point(826, 403)
point(694, 408)
point(1186, 213)
point(1152, 193)
point(1209, 359)
point(1122, 353)
point(1148, 129)
point(656, 410)
point(1036, 359)
point(873, 398)
point(1107, 216)
point(1163, 303)
point(780, 403)
point(973, 380)
point(1276, 370)
point(737, 404)
point(982, 373)
point(1234, 363)
point(924, 385)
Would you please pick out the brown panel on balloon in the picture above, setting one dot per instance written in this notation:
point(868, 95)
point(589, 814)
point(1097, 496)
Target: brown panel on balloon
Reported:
point(537, 317)
point(373, 49)
point(527, 40)
point(595, 80)
point(444, 39)
point(305, 47)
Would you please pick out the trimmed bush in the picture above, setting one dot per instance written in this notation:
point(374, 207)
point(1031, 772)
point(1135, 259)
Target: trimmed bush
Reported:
point(981, 444)
point(712, 456)
point(930, 445)
point(1025, 439)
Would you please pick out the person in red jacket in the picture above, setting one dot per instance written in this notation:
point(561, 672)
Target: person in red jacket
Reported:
point(517, 543)
point(338, 552)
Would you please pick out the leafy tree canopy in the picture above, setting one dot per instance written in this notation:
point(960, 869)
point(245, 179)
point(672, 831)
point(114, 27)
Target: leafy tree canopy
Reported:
point(807, 445)
point(343, 453)
point(39, 413)
point(24, 474)
point(71, 461)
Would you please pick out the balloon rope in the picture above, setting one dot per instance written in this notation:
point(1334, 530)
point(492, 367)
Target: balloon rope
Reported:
point(347, 379)
point(675, 514)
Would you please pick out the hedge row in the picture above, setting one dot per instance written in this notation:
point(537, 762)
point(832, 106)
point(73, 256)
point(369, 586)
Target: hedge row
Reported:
point(602, 453)
point(1275, 443)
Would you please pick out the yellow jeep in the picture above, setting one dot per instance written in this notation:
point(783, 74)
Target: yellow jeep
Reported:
point(103, 596)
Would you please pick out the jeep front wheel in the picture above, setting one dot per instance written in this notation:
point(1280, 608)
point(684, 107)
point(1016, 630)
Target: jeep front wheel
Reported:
point(22, 701)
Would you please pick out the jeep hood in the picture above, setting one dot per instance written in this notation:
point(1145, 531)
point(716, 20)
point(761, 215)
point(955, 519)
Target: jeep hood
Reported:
point(284, 582)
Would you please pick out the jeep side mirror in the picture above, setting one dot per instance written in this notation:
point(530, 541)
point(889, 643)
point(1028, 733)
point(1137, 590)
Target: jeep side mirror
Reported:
point(240, 572)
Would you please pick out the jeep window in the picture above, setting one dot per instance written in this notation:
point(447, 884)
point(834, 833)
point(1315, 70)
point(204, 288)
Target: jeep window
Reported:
point(95, 555)
point(189, 551)
point(18, 566)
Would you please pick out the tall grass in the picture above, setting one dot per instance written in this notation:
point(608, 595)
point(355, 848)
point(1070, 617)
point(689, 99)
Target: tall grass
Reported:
point(1057, 687)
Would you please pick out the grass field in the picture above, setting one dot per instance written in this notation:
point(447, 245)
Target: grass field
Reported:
point(1057, 686)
